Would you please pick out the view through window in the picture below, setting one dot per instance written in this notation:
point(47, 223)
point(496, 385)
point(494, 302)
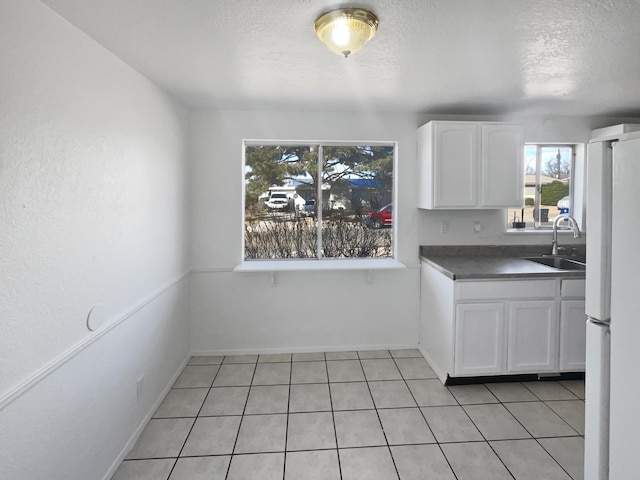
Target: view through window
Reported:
point(548, 170)
point(318, 201)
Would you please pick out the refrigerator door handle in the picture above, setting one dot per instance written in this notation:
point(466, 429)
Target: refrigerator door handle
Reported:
point(605, 323)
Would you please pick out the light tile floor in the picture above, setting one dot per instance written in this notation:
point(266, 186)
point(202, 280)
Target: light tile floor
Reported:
point(374, 415)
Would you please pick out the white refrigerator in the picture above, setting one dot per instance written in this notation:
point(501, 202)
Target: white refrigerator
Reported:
point(612, 410)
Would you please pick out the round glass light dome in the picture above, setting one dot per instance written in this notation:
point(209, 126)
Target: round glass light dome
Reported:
point(345, 31)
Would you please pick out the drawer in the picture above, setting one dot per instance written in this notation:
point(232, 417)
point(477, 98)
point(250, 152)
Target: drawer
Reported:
point(507, 289)
point(572, 288)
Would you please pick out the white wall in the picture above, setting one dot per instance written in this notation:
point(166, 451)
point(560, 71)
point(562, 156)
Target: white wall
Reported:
point(305, 310)
point(94, 210)
point(233, 312)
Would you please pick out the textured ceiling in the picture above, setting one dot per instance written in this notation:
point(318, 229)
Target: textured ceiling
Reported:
point(429, 56)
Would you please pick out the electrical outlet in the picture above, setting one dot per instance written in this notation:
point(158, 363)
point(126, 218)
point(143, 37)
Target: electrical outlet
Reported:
point(139, 385)
point(477, 228)
point(444, 226)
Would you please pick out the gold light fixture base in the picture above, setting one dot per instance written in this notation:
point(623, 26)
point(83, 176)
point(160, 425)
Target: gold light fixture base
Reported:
point(346, 30)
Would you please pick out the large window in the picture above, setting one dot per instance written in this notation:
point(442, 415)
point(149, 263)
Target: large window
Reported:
point(318, 200)
point(548, 187)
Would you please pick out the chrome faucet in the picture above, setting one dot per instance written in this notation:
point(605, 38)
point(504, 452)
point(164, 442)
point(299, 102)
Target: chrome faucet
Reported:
point(572, 224)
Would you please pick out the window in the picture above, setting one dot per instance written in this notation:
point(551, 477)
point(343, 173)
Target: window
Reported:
point(548, 185)
point(318, 201)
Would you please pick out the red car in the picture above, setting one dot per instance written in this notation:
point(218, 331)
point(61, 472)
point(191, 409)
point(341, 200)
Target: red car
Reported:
point(379, 219)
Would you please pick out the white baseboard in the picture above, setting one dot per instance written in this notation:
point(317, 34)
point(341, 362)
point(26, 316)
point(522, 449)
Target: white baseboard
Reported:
point(136, 434)
point(316, 349)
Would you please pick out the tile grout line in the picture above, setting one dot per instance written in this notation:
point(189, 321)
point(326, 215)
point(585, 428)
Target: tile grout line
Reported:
point(482, 434)
point(577, 434)
point(537, 438)
point(425, 418)
point(509, 412)
point(195, 420)
point(554, 458)
point(333, 417)
point(560, 416)
point(235, 443)
point(286, 429)
point(393, 460)
point(556, 382)
point(520, 401)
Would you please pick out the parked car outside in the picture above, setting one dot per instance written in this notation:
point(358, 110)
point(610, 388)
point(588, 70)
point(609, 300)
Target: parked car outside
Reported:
point(277, 202)
point(379, 219)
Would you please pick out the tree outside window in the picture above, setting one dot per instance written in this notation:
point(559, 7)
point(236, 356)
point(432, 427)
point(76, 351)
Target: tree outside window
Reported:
point(317, 201)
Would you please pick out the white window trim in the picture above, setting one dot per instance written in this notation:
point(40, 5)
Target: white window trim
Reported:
point(577, 190)
point(317, 264)
point(289, 265)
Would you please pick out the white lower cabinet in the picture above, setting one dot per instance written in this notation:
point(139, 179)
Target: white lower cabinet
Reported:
point(506, 337)
point(573, 330)
point(501, 327)
point(532, 344)
point(479, 339)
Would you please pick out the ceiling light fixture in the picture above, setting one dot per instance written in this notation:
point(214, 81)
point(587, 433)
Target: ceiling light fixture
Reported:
point(346, 30)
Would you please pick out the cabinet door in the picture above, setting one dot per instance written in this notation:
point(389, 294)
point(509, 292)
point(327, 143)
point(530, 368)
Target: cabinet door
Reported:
point(533, 336)
point(573, 329)
point(455, 165)
point(502, 166)
point(479, 339)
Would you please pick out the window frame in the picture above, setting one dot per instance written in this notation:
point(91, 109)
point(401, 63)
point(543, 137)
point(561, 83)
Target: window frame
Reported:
point(574, 189)
point(321, 263)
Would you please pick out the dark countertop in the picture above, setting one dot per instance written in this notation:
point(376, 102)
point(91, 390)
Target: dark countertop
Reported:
point(469, 262)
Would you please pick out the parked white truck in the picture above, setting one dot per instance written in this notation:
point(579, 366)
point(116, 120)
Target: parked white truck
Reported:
point(278, 201)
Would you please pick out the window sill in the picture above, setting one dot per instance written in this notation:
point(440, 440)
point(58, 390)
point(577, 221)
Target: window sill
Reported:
point(536, 231)
point(318, 265)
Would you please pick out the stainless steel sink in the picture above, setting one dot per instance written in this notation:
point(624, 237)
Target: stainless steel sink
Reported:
point(561, 263)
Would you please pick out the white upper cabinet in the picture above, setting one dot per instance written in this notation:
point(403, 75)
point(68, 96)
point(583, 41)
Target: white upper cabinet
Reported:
point(502, 166)
point(467, 165)
point(448, 154)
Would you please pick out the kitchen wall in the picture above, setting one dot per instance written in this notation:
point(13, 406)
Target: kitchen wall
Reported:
point(241, 312)
point(93, 218)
